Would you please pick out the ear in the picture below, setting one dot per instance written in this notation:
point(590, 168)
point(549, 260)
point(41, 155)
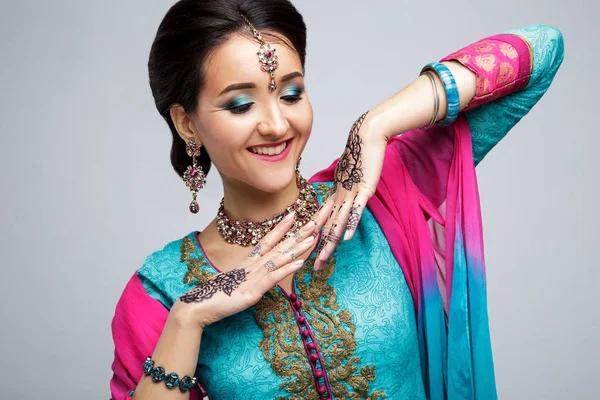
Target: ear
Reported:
point(184, 124)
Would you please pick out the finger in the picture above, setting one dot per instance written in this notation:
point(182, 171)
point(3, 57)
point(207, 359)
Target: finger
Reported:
point(279, 274)
point(282, 255)
point(272, 238)
point(334, 230)
point(322, 216)
point(358, 206)
point(328, 245)
point(292, 251)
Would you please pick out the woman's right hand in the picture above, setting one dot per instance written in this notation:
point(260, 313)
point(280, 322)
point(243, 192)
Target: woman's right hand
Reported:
point(265, 266)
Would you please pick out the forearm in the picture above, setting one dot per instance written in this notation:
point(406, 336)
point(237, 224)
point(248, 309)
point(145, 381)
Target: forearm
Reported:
point(176, 351)
point(413, 106)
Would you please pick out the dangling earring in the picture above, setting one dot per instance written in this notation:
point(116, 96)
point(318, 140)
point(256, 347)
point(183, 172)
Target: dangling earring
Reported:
point(298, 166)
point(194, 177)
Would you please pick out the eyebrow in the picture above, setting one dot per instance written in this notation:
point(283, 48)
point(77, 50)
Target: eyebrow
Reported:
point(249, 85)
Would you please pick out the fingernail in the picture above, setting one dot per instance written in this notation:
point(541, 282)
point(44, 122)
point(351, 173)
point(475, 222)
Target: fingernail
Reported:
point(289, 217)
point(298, 262)
point(308, 240)
point(309, 226)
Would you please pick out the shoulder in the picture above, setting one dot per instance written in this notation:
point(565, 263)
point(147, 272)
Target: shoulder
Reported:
point(163, 272)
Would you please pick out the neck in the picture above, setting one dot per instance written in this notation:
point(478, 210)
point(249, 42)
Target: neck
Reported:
point(246, 203)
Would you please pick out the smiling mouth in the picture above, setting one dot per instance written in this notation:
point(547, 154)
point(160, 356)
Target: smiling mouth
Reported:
point(270, 150)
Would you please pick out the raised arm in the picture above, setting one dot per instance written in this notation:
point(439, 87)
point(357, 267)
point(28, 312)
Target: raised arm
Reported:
point(498, 80)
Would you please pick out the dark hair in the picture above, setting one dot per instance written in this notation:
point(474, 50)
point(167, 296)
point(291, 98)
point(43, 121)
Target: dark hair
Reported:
point(188, 33)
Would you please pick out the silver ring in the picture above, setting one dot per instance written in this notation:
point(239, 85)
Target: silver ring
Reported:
point(298, 237)
point(292, 253)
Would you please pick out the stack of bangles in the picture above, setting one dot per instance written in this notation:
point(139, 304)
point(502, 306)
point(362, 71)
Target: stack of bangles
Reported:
point(171, 380)
point(452, 98)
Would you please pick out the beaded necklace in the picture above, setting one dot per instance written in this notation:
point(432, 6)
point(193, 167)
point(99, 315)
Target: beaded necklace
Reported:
point(247, 233)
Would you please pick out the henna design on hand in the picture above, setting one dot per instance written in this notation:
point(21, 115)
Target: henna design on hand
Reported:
point(332, 237)
point(270, 266)
point(256, 251)
point(321, 245)
point(226, 282)
point(354, 218)
point(349, 170)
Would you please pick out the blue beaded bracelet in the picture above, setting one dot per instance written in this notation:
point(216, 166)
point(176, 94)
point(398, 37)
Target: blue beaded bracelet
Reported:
point(452, 97)
point(171, 380)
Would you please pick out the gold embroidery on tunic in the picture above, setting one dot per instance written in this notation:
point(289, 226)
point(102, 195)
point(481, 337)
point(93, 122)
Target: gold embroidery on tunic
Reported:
point(195, 274)
point(483, 86)
point(506, 74)
point(463, 58)
point(323, 190)
point(333, 329)
point(486, 61)
point(483, 47)
point(508, 50)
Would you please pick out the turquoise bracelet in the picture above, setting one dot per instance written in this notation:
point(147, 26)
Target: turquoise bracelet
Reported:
point(171, 380)
point(452, 97)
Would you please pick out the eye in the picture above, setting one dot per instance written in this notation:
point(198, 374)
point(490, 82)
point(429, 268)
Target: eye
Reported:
point(292, 94)
point(240, 109)
point(291, 99)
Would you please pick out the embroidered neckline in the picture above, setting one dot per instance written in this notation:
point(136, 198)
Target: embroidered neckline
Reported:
point(332, 328)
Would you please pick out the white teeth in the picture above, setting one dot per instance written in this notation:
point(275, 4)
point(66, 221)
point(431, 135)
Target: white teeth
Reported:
point(269, 150)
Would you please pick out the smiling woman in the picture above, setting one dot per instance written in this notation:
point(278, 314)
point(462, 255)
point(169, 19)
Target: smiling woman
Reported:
point(268, 301)
point(231, 119)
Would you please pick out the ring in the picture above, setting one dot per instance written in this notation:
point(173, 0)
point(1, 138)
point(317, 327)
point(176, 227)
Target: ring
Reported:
point(297, 237)
point(292, 252)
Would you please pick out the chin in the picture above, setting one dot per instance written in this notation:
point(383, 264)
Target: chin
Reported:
point(273, 179)
point(275, 182)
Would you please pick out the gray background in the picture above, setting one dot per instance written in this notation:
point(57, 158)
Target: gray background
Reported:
point(88, 191)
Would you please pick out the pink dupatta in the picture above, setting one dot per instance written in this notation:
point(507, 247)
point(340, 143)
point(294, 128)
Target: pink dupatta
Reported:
point(434, 231)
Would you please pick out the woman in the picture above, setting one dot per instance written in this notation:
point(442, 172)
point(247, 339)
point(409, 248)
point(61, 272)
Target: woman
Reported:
point(366, 283)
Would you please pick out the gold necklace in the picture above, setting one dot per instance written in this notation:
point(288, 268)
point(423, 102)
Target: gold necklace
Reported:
point(246, 233)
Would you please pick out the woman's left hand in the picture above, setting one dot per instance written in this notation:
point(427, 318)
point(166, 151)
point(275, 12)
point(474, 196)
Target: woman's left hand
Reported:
point(356, 177)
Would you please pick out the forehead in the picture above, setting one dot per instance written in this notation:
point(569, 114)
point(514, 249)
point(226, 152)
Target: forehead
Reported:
point(235, 61)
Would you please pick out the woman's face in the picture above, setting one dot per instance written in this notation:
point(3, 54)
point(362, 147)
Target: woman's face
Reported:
point(253, 136)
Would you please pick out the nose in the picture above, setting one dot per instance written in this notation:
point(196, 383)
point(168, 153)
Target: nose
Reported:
point(274, 123)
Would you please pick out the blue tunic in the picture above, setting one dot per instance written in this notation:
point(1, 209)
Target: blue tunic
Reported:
point(358, 310)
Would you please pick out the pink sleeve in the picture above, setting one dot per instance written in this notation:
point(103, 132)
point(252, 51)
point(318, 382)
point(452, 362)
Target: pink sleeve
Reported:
point(136, 328)
point(502, 63)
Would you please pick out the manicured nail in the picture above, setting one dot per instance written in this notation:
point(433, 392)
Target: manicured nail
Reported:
point(309, 226)
point(308, 240)
point(298, 262)
point(289, 217)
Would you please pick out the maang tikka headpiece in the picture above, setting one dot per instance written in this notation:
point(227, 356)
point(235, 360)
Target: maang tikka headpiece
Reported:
point(266, 55)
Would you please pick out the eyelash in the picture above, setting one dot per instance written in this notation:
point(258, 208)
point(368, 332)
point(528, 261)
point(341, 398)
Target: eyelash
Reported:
point(290, 99)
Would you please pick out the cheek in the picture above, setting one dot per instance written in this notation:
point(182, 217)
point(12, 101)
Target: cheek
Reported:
point(224, 139)
point(302, 119)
